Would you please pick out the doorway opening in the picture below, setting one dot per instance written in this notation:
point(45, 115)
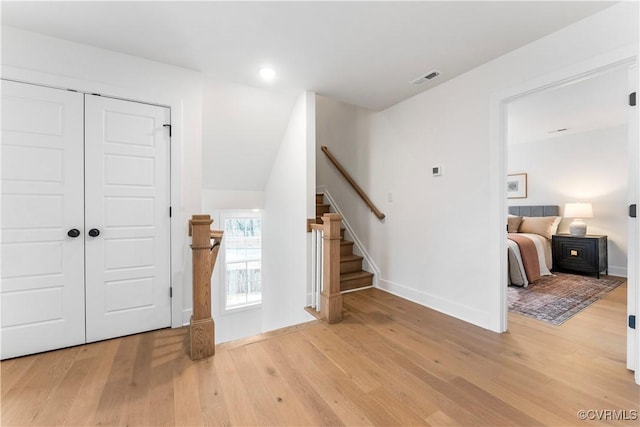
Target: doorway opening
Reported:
point(593, 70)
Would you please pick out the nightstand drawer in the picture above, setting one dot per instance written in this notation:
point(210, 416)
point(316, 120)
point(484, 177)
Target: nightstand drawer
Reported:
point(580, 254)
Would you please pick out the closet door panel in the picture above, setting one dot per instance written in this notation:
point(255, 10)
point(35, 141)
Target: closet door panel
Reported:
point(127, 201)
point(42, 294)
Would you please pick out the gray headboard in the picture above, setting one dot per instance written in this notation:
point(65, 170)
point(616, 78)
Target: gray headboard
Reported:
point(538, 210)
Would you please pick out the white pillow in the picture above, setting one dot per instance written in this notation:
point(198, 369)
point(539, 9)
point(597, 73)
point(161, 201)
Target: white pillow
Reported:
point(543, 225)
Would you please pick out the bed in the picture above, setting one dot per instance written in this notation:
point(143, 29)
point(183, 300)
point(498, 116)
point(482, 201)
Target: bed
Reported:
point(529, 232)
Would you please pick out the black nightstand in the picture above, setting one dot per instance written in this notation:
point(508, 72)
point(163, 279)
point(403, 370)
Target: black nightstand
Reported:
point(586, 254)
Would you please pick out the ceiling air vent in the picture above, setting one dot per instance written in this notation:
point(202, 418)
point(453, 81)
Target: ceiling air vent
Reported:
point(558, 130)
point(429, 76)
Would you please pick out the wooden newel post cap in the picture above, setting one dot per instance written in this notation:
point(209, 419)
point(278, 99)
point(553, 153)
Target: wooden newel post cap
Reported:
point(332, 222)
point(332, 216)
point(201, 220)
point(201, 223)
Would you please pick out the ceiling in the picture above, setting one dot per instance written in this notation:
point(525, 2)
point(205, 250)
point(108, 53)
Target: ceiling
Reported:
point(363, 53)
point(597, 102)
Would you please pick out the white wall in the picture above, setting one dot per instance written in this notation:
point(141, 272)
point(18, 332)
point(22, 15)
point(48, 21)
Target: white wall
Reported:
point(436, 243)
point(231, 199)
point(288, 204)
point(340, 126)
point(241, 131)
point(39, 59)
point(288, 199)
point(584, 167)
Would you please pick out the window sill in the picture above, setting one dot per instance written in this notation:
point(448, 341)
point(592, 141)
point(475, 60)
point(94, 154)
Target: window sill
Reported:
point(241, 308)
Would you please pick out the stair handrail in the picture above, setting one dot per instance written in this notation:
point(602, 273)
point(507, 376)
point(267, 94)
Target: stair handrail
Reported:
point(354, 185)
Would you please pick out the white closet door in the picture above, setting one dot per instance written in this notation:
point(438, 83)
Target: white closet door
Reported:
point(127, 201)
point(42, 199)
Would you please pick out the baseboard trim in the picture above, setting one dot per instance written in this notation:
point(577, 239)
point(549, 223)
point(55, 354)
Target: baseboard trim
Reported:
point(445, 306)
point(617, 271)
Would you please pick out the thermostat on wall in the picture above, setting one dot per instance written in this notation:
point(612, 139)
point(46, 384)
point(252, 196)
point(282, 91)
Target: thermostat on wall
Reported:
point(436, 170)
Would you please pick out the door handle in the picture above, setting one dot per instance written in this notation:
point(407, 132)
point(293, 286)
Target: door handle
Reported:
point(74, 232)
point(94, 232)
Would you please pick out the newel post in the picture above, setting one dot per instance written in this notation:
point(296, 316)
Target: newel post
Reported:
point(204, 254)
point(331, 307)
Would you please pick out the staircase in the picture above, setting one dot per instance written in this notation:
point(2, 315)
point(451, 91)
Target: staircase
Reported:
point(352, 276)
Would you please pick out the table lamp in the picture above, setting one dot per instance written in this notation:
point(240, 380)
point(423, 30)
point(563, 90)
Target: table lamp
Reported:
point(578, 211)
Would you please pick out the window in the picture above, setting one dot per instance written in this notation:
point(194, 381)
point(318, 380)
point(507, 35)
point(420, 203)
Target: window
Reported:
point(243, 261)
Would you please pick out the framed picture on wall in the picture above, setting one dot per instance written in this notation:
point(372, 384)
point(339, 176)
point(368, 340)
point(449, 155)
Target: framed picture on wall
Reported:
point(517, 186)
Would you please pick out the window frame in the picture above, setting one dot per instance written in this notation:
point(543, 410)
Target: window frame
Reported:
point(222, 258)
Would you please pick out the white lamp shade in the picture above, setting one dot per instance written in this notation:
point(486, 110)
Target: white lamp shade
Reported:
point(578, 210)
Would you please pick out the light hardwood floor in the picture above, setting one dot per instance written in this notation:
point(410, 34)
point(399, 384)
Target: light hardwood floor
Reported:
point(390, 362)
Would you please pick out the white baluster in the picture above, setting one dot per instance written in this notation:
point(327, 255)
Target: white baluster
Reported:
point(314, 267)
point(319, 268)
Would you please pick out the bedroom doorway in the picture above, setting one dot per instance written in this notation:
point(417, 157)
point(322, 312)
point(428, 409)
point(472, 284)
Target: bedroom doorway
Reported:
point(571, 183)
point(569, 144)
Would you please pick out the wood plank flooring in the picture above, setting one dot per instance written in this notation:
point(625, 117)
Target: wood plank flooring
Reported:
point(390, 362)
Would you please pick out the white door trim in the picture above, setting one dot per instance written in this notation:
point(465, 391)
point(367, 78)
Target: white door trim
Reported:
point(180, 263)
point(624, 56)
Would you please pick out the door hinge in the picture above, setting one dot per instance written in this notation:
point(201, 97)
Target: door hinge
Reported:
point(168, 126)
point(632, 99)
point(169, 211)
point(632, 210)
point(632, 321)
point(170, 291)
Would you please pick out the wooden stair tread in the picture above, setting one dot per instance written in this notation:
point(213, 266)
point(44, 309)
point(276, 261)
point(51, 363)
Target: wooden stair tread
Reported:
point(352, 257)
point(357, 275)
point(352, 276)
point(312, 311)
point(356, 280)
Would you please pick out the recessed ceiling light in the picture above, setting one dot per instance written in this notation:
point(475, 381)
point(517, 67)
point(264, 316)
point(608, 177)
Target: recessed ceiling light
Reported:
point(267, 74)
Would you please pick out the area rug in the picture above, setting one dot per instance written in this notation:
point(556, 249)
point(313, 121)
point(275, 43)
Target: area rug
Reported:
point(555, 299)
